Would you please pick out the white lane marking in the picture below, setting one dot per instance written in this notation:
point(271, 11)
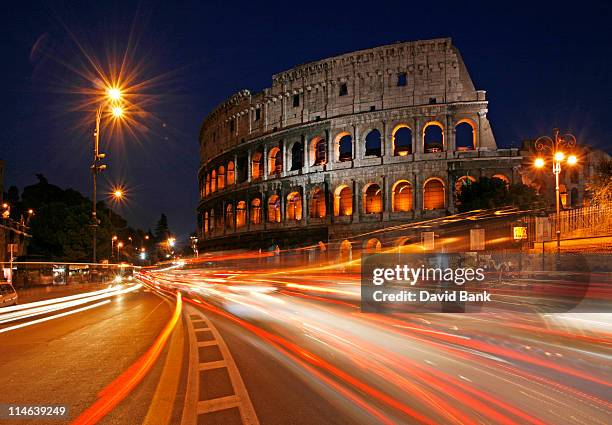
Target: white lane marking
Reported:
point(57, 316)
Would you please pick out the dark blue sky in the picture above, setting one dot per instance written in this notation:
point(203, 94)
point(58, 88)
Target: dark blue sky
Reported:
point(543, 64)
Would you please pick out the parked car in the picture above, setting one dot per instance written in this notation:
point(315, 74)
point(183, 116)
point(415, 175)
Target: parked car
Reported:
point(8, 295)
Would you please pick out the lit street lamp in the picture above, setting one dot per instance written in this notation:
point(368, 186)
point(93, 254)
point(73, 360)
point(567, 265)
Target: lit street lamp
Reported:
point(554, 147)
point(113, 95)
point(119, 246)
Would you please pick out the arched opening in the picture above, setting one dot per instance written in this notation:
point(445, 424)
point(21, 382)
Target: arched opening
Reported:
point(402, 140)
point(373, 143)
point(319, 151)
point(213, 181)
point(207, 183)
point(346, 251)
point(574, 201)
point(231, 176)
point(433, 137)
point(503, 178)
point(373, 245)
point(275, 161)
point(402, 196)
point(293, 211)
point(241, 214)
point(433, 195)
point(372, 199)
point(212, 223)
point(221, 177)
point(206, 222)
point(462, 182)
point(465, 136)
point(317, 204)
point(274, 209)
point(343, 201)
point(229, 216)
point(345, 147)
point(257, 165)
point(255, 211)
point(297, 156)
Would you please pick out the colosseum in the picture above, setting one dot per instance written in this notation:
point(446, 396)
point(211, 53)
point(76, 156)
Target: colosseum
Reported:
point(340, 148)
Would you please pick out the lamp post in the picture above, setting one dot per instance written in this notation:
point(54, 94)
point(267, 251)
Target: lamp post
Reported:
point(555, 146)
point(113, 239)
point(113, 95)
point(119, 246)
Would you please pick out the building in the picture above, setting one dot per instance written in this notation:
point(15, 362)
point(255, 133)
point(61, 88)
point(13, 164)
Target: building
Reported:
point(343, 146)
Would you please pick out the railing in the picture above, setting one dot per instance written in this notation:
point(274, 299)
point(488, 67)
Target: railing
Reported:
point(586, 221)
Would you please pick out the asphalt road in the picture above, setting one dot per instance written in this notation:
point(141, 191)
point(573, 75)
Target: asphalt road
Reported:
point(265, 347)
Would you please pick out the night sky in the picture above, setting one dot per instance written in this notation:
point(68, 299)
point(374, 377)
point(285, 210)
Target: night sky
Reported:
point(542, 65)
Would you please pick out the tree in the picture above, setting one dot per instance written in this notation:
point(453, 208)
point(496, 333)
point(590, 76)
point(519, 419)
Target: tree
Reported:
point(488, 193)
point(600, 189)
point(162, 231)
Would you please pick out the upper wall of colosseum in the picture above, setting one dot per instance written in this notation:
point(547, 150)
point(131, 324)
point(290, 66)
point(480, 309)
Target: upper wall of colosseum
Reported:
point(393, 76)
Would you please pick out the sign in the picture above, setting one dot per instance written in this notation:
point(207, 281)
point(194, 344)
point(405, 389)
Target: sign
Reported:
point(477, 239)
point(543, 229)
point(519, 232)
point(427, 239)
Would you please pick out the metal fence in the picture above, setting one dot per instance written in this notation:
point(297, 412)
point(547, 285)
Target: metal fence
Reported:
point(587, 221)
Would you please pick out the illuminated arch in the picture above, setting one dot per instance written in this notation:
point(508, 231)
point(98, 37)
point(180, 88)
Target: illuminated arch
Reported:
point(434, 194)
point(257, 160)
point(343, 201)
point(275, 161)
point(206, 222)
point(229, 216)
point(503, 178)
point(402, 196)
point(221, 177)
point(241, 214)
point(255, 212)
point(293, 209)
point(317, 204)
point(465, 135)
point(318, 149)
point(372, 199)
point(344, 144)
point(213, 181)
point(372, 245)
point(433, 137)
point(231, 175)
point(463, 181)
point(402, 140)
point(274, 209)
point(373, 143)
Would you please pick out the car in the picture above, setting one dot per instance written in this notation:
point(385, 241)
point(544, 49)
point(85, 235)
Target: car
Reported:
point(8, 295)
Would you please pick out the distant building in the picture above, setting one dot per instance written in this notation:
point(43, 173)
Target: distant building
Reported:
point(344, 146)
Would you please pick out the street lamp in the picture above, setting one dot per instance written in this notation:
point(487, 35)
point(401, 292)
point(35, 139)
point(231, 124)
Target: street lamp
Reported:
point(113, 96)
point(113, 239)
point(555, 148)
point(119, 246)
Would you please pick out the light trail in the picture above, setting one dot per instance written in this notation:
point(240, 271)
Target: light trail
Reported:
point(56, 316)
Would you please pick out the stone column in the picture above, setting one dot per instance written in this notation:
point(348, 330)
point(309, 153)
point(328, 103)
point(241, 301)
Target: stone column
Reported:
point(357, 146)
point(265, 162)
point(356, 202)
point(249, 165)
point(282, 206)
point(264, 209)
point(305, 204)
point(449, 144)
point(236, 172)
point(224, 217)
point(330, 154)
point(386, 198)
point(481, 115)
point(386, 143)
point(305, 155)
point(283, 148)
point(417, 205)
point(418, 136)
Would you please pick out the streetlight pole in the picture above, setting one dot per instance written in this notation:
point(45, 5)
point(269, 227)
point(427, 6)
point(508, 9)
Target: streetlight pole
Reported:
point(96, 167)
point(554, 146)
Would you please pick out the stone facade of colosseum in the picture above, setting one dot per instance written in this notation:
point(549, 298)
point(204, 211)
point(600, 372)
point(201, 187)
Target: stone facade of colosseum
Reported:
point(341, 147)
